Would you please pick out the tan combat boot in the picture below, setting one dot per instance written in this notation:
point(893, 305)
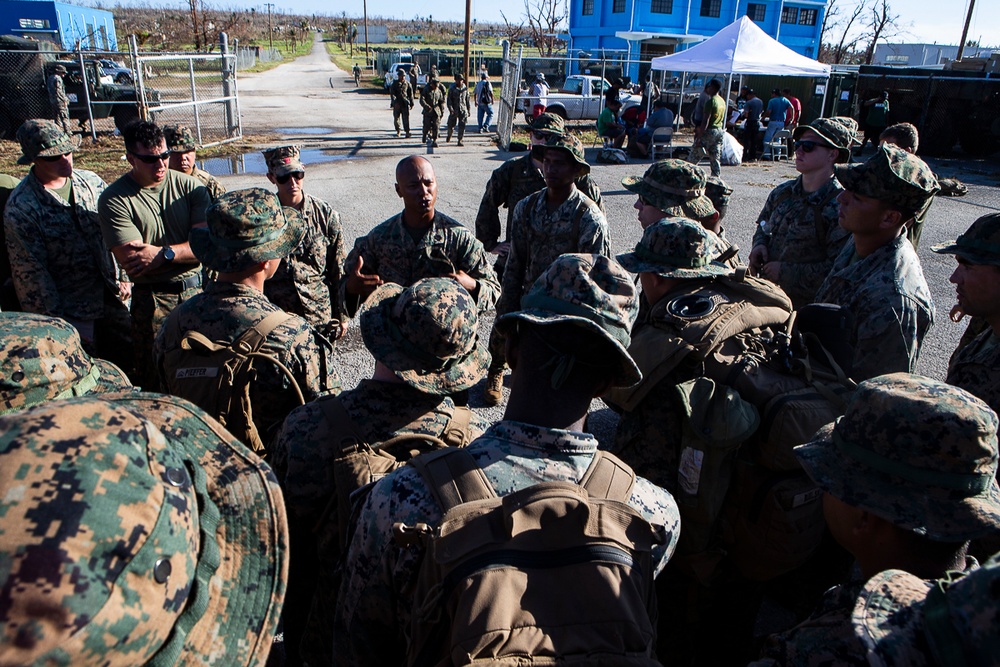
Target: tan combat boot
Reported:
point(494, 387)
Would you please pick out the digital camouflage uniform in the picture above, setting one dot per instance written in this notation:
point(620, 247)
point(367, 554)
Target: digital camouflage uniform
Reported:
point(459, 108)
point(514, 180)
point(401, 101)
point(439, 321)
point(136, 530)
point(60, 264)
point(8, 296)
point(307, 281)
point(375, 600)
point(225, 310)
point(181, 139)
point(433, 99)
point(42, 359)
point(59, 99)
point(447, 246)
point(886, 290)
point(896, 452)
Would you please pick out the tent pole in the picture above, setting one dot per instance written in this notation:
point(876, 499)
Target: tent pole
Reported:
point(680, 104)
point(822, 106)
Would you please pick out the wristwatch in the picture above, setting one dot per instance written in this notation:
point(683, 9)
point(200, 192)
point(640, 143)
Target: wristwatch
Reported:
point(168, 253)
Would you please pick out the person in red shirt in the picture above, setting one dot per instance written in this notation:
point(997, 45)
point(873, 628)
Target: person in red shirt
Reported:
point(794, 112)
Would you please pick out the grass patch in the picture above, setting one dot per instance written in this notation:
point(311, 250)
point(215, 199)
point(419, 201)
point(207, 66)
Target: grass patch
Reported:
point(302, 47)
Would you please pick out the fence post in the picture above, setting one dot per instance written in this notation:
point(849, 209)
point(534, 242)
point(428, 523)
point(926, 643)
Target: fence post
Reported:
point(227, 84)
point(86, 95)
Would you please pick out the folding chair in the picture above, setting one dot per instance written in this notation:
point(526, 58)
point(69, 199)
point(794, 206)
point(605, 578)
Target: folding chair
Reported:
point(661, 143)
point(777, 147)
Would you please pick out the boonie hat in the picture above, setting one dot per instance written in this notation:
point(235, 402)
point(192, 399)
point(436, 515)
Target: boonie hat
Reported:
point(246, 227)
point(980, 244)
point(589, 291)
point(903, 620)
point(564, 142)
point(43, 138)
point(718, 192)
point(283, 160)
point(676, 248)
point(427, 334)
point(180, 139)
point(676, 187)
point(917, 452)
point(42, 359)
point(548, 122)
point(852, 126)
point(137, 531)
point(893, 176)
point(833, 133)
point(60, 69)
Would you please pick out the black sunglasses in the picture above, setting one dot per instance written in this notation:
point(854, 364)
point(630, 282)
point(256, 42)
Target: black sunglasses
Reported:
point(807, 146)
point(54, 158)
point(151, 159)
point(297, 175)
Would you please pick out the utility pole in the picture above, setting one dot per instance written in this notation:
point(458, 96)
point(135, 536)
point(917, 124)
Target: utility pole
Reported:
point(270, 32)
point(468, 38)
point(965, 30)
point(365, 8)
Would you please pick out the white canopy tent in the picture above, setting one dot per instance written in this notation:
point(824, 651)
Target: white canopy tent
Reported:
point(742, 48)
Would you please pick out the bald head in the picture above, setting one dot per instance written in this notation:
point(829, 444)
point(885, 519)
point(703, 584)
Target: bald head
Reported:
point(417, 186)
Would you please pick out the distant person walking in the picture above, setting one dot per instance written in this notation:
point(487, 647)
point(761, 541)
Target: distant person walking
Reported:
point(58, 98)
point(401, 101)
point(484, 102)
point(539, 95)
point(459, 108)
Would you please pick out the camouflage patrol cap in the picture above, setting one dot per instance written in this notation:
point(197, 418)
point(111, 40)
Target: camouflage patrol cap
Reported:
point(852, 128)
point(563, 142)
point(833, 132)
point(917, 452)
point(892, 176)
point(592, 292)
point(548, 122)
point(136, 530)
point(718, 193)
point(676, 248)
point(43, 138)
point(42, 358)
point(980, 244)
point(905, 621)
point(427, 334)
point(246, 227)
point(180, 139)
point(283, 160)
point(675, 187)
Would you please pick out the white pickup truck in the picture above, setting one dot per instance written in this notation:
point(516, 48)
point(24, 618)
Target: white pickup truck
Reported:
point(580, 98)
point(390, 74)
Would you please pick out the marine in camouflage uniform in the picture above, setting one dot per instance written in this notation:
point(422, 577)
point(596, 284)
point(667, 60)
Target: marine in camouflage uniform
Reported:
point(375, 599)
point(183, 147)
point(798, 235)
point(459, 108)
point(401, 101)
point(136, 529)
point(307, 282)
point(8, 296)
point(975, 366)
point(60, 264)
point(895, 455)
point(58, 98)
point(42, 359)
point(878, 276)
point(250, 231)
point(418, 243)
point(433, 99)
point(409, 394)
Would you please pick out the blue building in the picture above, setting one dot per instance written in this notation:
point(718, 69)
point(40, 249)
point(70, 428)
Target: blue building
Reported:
point(67, 26)
point(644, 29)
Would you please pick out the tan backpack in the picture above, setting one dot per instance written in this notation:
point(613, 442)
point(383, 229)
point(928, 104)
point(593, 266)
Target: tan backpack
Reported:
point(556, 573)
point(216, 376)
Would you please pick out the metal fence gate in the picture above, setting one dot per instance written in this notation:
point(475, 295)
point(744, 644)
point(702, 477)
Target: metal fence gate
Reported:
point(509, 90)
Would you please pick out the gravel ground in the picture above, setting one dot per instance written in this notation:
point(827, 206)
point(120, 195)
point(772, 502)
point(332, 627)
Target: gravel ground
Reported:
point(314, 104)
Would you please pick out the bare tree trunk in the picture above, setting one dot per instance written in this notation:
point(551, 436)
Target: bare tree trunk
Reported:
point(884, 24)
point(845, 45)
point(194, 24)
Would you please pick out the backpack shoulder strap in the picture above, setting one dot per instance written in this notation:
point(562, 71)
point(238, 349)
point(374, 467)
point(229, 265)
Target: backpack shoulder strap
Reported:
point(608, 477)
point(456, 433)
point(341, 423)
point(453, 477)
point(251, 339)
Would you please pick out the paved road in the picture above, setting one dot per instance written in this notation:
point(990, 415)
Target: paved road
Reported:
point(314, 104)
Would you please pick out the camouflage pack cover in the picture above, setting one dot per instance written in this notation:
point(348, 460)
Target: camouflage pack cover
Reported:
point(180, 139)
point(892, 176)
point(136, 530)
point(283, 160)
point(43, 138)
point(590, 291)
point(676, 187)
point(917, 452)
point(426, 334)
point(980, 244)
point(42, 358)
point(676, 248)
point(246, 227)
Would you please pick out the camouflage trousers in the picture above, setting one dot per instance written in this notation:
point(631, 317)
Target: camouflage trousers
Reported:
point(401, 114)
point(150, 307)
point(710, 144)
point(432, 127)
point(62, 119)
point(459, 120)
point(498, 361)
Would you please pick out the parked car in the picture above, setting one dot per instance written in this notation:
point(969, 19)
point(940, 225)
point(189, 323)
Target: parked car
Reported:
point(580, 98)
point(118, 72)
point(390, 74)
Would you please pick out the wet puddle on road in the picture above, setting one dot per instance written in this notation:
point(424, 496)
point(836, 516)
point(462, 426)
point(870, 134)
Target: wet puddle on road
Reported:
point(253, 163)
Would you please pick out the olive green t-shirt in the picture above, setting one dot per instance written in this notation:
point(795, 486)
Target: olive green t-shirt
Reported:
point(715, 110)
point(161, 215)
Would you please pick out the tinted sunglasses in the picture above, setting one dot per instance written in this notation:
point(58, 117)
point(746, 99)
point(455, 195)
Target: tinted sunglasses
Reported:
point(297, 175)
point(808, 146)
point(54, 158)
point(152, 159)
